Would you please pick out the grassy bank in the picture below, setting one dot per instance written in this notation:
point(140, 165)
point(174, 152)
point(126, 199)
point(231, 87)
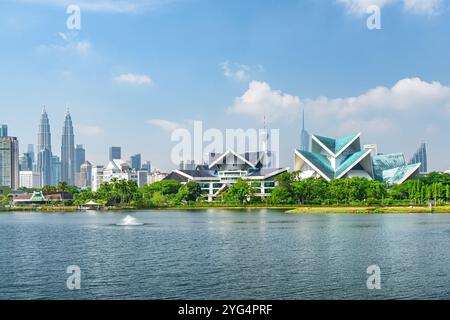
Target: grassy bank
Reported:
point(322, 209)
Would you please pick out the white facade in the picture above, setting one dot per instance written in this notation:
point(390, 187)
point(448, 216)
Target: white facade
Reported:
point(156, 176)
point(118, 169)
point(29, 179)
point(97, 177)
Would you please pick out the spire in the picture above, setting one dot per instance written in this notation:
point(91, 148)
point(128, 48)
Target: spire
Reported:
point(43, 110)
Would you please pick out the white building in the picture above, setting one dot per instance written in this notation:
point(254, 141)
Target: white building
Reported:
point(156, 176)
point(97, 177)
point(29, 179)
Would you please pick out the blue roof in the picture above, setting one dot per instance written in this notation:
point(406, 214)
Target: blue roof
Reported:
point(320, 162)
point(335, 145)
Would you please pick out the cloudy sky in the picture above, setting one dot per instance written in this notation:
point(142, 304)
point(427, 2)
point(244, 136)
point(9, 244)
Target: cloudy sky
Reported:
point(139, 69)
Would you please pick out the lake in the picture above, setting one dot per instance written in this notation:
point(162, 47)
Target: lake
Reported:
point(218, 254)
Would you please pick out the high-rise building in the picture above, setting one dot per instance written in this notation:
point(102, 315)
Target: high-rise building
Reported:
point(68, 151)
point(147, 166)
point(86, 175)
point(136, 162)
point(115, 153)
point(421, 157)
point(9, 162)
point(30, 150)
point(304, 135)
point(80, 157)
point(97, 177)
point(44, 150)
point(56, 169)
point(29, 179)
point(142, 178)
point(26, 162)
point(3, 130)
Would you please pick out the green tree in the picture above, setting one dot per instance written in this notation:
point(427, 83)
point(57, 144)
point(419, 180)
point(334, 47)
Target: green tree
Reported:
point(241, 192)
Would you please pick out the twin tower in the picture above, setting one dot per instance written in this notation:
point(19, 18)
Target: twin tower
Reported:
point(50, 172)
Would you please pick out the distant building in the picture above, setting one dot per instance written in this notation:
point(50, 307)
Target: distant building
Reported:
point(68, 151)
point(29, 179)
point(136, 162)
point(120, 170)
point(156, 176)
point(142, 178)
point(26, 162)
point(421, 157)
point(344, 158)
point(224, 169)
point(30, 150)
point(373, 148)
point(85, 175)
point(305, 138)
point(188, 165)
point(3, 130)
point(97, 177)
point(147, 166)
point(80, 157)
point(115, 153)
point(9, 162)
point(56, 169)
point(44, 150)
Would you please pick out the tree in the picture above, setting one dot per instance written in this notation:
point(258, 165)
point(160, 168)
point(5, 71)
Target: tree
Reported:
point(63, 187)
point(189, 192)
point(241, 192)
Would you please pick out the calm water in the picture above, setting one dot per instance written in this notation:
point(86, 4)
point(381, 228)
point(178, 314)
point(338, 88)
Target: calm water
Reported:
point(224, 255)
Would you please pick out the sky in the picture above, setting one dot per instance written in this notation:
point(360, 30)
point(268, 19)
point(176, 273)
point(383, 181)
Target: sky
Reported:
point(137, 70)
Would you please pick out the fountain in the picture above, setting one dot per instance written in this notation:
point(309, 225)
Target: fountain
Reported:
point(129, 221)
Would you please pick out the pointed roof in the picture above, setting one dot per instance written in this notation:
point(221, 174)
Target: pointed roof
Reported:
point(335, 146)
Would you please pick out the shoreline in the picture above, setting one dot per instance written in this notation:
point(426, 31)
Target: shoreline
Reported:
point(286, 209)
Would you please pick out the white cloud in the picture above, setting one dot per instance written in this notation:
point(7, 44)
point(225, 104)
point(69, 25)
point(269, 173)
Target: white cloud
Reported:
point(105, 6)
point(238, 71)
point(427, 7)
point(134, 79)
point(166, 125)
point(71, 47)
point(260, 99)
point(360, 6)
point(378, 109)
point(83, 47)
point(88, 130)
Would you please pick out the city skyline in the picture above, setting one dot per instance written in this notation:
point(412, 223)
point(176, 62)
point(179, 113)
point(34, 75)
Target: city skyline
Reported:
point(135, 97)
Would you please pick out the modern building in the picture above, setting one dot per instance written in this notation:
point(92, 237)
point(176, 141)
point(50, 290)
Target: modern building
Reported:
point(305, 137)
point(44, 150)
point(136, 162)
point(224, 169)
point(119, 169)
point(373, 148)
point(344, 158)
point(26, 162)
point(97, 177)
point(9, 162)
point(115, 153)
point(30, 150)
point(85, 175)
point(147, 166)
point(68, 151)
point(156, 176)
point(3, 130)
point(29, 179)
point(420, 156)
point(56, 170)
point(142, 178)
point(80, 158)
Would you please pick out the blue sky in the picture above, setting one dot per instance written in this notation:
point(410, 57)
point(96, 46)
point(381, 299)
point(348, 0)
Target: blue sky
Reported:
point(137, 69)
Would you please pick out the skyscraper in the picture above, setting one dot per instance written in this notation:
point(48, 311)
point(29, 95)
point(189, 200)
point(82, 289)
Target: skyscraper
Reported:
point(26, 162)
point(136, 162)
point(86, 175)
point(3, 130)
point(30, 151)
point(304, 135)
point(56, 170)
point(80, 157)
point(421, 157)
point(147, 166)
point(44, 150)
point(68, 151)
point(115, 153)
point(9, 162)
